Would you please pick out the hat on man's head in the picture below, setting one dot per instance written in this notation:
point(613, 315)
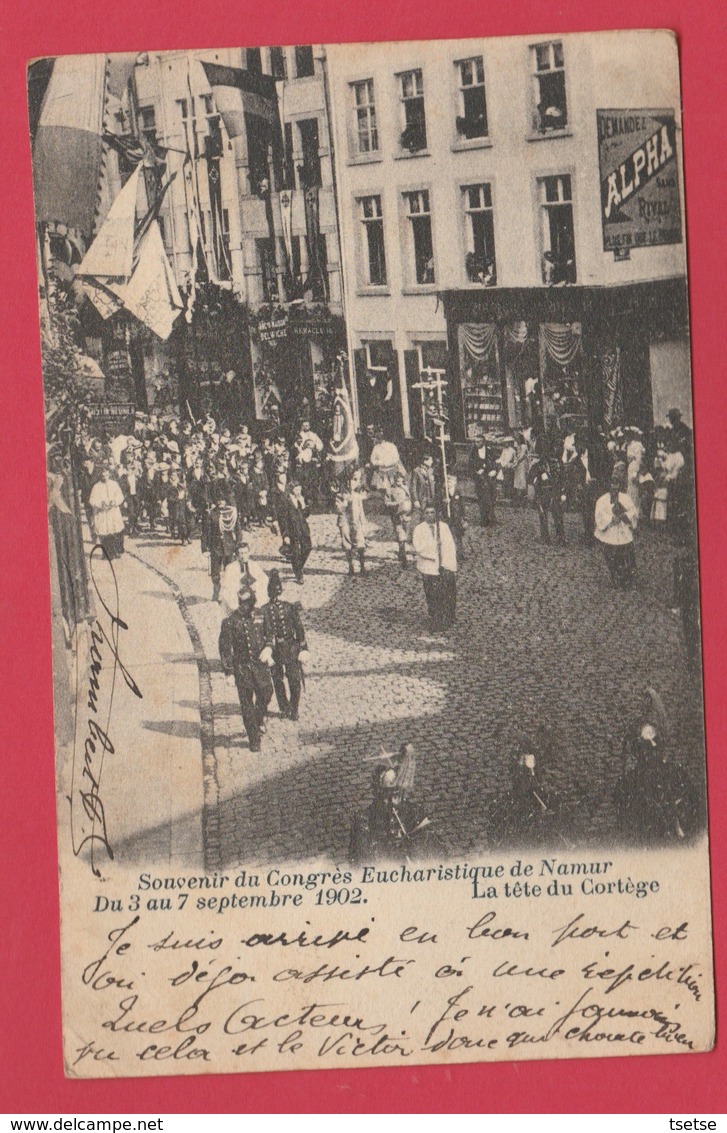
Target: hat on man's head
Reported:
point(246, 596)
point(275, 586)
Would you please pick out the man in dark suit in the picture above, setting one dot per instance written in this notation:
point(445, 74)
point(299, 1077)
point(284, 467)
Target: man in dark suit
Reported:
point(546, 476)
point(483, 471)
point(246, 655)
point(199, 500)
point(284, 628)
point(293, 519)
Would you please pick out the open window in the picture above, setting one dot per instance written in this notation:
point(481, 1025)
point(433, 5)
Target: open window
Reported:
point(549, 97)
point(421, 246)
point(480, 264)
point(413, 137)
point(472, 118)
point(557, 234)
point(373, 247)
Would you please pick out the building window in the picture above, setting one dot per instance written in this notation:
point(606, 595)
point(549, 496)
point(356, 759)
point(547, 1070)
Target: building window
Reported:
point(254, 61)
point(420, 227)
point(278, 68)
point(263, 154)
point(309, 171)
point(374, 258)
point(366, 134)
point(148, 125)
point(551, 110)
point(318, 267)
point(268, 272)
point(472, 118)
point(414, 131)
point(480, 264)
point(558, 242)
point(213, 144)
point(304, 67)
point(208, 106)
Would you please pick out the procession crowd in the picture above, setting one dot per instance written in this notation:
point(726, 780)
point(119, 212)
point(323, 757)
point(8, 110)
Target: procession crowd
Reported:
point(185, 481)
point(199, 480)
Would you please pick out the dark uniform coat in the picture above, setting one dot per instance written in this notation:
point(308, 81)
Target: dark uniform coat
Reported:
point(242, 639)
point(283, 626)
point(293, 521)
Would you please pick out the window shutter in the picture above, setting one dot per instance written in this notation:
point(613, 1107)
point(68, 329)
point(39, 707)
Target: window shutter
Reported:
point(359, 367)
point(411, 370)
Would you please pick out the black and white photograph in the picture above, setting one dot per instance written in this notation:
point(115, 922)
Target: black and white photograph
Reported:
point(370, 456)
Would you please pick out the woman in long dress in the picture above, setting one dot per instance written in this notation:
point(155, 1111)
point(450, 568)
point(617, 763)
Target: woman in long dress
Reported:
point(105, 501)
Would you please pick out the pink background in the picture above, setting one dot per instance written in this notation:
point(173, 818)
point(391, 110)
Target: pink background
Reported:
point(31, 1074)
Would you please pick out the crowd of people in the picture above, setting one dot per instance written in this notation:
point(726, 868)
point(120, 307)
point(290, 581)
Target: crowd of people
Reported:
point(184, 481)
point(199, 480)
point(188, 481)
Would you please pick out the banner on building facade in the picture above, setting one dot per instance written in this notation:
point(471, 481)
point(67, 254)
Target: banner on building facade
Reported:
point(637, 154)
point(120, 413)
point(302, 324)
point(273, 329)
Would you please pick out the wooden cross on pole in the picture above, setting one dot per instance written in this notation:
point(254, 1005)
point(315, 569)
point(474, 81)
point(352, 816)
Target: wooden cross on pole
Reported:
point(432, 380)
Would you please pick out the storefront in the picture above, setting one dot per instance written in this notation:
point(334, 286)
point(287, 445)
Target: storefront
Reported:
point(590, 356)
point(295, 354)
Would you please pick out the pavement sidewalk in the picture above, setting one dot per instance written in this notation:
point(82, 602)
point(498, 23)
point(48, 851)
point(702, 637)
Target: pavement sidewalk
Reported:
point(151, 788)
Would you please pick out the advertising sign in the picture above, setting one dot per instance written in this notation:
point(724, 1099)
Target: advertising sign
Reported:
point(637, 155)
point(273, 328)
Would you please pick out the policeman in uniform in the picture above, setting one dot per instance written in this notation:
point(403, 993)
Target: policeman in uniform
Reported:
point(246, 655)
point(284, 628)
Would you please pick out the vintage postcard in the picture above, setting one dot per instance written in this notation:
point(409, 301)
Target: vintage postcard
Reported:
point(375, 594)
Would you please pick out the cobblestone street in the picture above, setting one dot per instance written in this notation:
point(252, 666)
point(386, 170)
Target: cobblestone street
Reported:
point(540, 639)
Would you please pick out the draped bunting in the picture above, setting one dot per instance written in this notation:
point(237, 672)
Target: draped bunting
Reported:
point(477, 339)
point(562, 341)
point(517, 332)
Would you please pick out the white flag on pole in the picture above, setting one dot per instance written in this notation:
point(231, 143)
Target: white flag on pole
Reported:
point(112, 251)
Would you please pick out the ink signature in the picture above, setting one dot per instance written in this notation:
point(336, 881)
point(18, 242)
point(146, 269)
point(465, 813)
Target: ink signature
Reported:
point(87, 773)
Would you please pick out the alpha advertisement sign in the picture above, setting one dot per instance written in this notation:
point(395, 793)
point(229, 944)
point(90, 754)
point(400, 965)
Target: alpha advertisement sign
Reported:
point(637, 154)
